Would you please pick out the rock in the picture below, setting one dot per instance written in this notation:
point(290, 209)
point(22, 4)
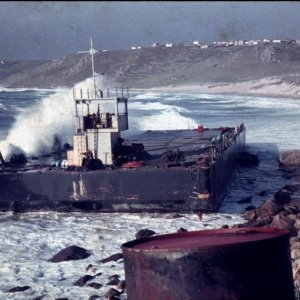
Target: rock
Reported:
point(70, 253)
point(121, 285)
point(114, 281)
point(83, 280)
point(95, 285)
point(262, 193)
point(282, 197)
point(113, 257)
point(250, 207)
point(297, 224)
point(245, 200)
point(289, 157)
point(259, 222)
point(94, 297)
point(174, 216)
point(19, 289)
point(292, 188)
point(283, 222)
point(295, 254)
point(225, 226)
point(112, 293)
point(246, 159)
point(295, 245)
point(181, 230)
point(144, 233)
point(269, 208)
point(250, 214)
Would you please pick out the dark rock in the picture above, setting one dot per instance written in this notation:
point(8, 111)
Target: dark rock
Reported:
point(225, 226)
point(61, 299)
point(88, 267)
point(283, 222)
point(181, 230)
point(250, 207)
point(292, 188)
point(121, 285)
point(19, 289)
point(115, 276)
point(95, 285)
point(250, 214)
point(290, 209)
point(114, 281)
point(259, 222)
point(112, 293)
point(113, 257)
point(246, 159)
point(174, 216)
point(70, 253)
point(144, 233)
point(245, 200)
point(269, 208)
point(83, 280)
point(94, 297)
point(262, 193)
point(282, 196)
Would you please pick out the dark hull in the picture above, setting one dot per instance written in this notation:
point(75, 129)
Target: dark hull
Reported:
point(172, 187)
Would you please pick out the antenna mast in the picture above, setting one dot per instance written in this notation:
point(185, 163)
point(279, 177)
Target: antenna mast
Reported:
point(92, 51)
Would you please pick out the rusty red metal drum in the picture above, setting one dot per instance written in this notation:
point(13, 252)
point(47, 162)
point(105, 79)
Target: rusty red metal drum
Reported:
point(241, 263)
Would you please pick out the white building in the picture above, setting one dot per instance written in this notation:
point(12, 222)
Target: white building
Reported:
point(276, 41)
point(196, 43)
point(168, 45)
point(155, 44)
point(204, 46)
point(133, 48)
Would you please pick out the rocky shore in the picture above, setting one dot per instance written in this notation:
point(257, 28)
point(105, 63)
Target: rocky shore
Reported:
point(283, 209)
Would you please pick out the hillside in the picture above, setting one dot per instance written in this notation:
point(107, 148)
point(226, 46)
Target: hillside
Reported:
point(156, 67)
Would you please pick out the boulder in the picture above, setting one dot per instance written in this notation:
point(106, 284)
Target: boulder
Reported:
point(245, 200)
point(19, 289)
point(282, 196)
point(289, 157)
point(246, 159)
point(283, 222)
point(269, 208)
point(144, 233)
point(83, 280)
point(70, 253)
point(111, 293)
point(113, 257)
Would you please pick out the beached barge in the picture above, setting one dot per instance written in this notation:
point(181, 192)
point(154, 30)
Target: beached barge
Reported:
point(177, 170)
point(174, 170)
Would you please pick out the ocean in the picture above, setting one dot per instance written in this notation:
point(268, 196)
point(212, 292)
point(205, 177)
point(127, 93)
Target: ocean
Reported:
point(29, 119)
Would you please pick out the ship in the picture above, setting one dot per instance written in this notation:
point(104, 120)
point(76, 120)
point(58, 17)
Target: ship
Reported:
point(184, 170)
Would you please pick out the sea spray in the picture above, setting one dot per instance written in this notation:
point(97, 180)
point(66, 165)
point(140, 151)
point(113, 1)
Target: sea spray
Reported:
point(36, 127)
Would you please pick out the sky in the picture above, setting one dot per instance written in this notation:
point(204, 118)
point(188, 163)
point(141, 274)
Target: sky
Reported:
point(51, 29)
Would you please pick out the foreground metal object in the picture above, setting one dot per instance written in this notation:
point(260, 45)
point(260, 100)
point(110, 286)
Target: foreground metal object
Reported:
point(252, 263)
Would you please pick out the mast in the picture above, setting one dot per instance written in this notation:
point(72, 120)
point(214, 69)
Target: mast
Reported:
point(92, 51)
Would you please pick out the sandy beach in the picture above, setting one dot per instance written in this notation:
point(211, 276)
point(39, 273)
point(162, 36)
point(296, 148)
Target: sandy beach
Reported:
point(274, 87)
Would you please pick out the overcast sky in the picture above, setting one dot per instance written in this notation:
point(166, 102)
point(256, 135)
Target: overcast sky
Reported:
point(47, 30)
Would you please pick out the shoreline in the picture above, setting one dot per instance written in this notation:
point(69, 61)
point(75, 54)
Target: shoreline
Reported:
point(274, 87)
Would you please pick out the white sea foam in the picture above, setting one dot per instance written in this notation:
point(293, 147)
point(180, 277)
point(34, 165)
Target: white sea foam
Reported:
point(167, 119)
point(29, 240)
point(35, 127)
